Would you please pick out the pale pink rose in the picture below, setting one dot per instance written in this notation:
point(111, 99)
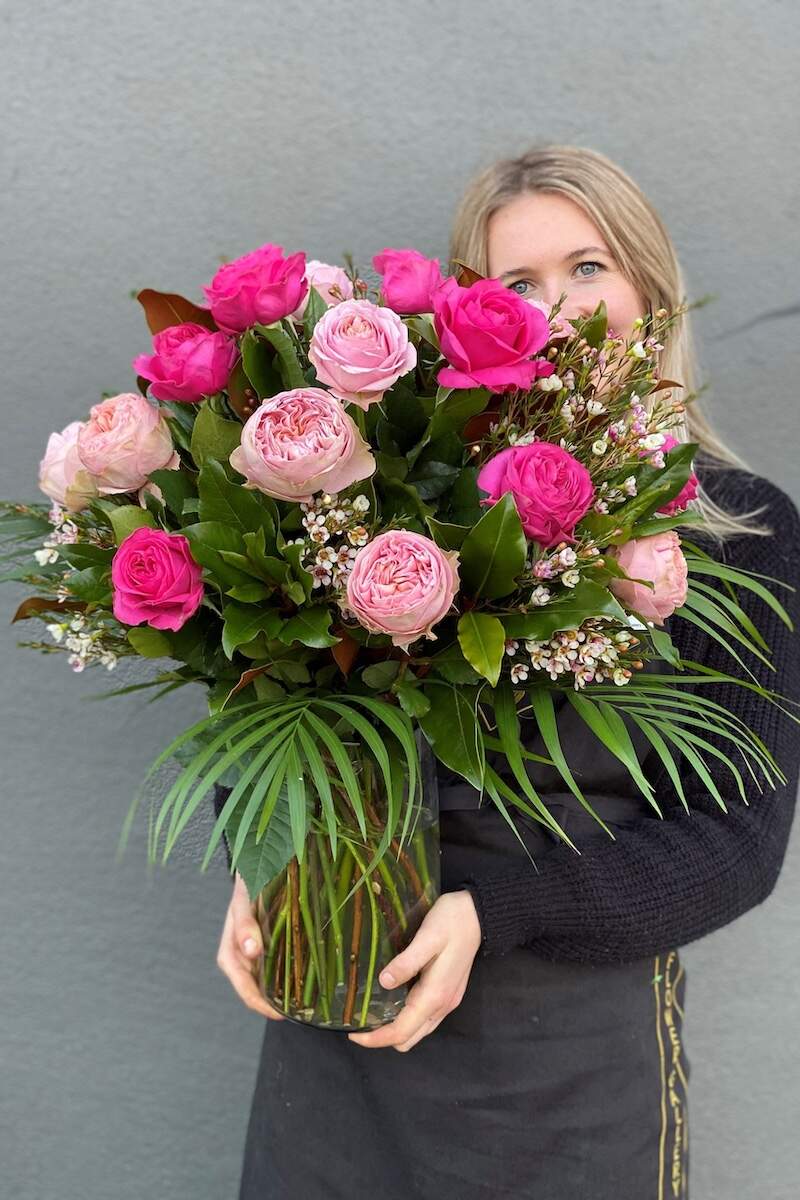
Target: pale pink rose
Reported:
point(660, 559)
point(259, 288)
point(409, 279)
point(325, 277)
point(62, 475)
point(188, 363)
point(402, 583)
point(551, 489)
point(489, 335)
point(560, 327)
point(688, 491)
point(174, 464)
point(360, 350)
point(124, 440)
point(155, 579)
point(301, 442)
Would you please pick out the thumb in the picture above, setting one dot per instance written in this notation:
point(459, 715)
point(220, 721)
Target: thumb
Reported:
point(420, 950)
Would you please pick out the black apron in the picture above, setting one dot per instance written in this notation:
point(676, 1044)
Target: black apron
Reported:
point(550, 1081)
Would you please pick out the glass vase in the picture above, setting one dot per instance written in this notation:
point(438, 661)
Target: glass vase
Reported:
point(324, 949)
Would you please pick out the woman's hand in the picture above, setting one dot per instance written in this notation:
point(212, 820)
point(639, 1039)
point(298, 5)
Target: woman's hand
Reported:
point(239, 946)
point(442, 951)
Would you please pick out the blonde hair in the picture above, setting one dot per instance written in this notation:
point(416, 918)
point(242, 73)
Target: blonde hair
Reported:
point(642, 247)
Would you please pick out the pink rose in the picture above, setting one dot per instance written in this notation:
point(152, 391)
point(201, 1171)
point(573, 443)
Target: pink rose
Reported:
point(124, 440)
point(688, 491)
point(402, 584)
point(409, 279)
point(489, 334)
point(62, 475)
point(561, 327)
point(258, 288)
point(551, 489)
point(188, 363)
point(155, 579)
point(332, 283)
point(301, 442)
point(660, 559)
point(360, 350)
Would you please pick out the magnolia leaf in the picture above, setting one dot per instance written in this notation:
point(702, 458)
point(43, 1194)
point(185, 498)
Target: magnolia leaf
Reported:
point(493, 552)
point(483, 640)
point(163, 309)
point(128, 517)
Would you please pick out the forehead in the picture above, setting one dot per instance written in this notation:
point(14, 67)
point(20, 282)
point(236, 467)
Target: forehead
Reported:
point(542, 227)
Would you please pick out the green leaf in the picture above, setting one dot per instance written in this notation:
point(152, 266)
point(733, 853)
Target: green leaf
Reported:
point(206, 539)
point(309, 626)
point(243, 623)
point(259, 862)
point(150, 643)
point(483, 640)
point(258, 360)
point(176, 487)
point(493, 552)
point(413, 700)
point(316, 307)
point(451, 664)
point(288, 362)
point(432, 479)
point(449, 537)
point(233, 504)
point(381, 675)
point(451, 727)
point(213, 436)
point(128, 517)
point(92, 584)
point(595, 328)
point(587, 599)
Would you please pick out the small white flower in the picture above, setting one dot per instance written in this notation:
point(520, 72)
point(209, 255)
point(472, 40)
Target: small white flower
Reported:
point(594, 408)
point(361, 504)
point(47, 554)
point(519, 672)
point(638, 350)
point(540, 595)
point(512, 646)
point(567, 414)
point(550, 383)
point(600, 446)
point(56, 631)
point(570, 578)
point(653, 441)
point(76, 662)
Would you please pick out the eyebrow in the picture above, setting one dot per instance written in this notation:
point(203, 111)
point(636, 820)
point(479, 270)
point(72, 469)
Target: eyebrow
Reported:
point(569, 258)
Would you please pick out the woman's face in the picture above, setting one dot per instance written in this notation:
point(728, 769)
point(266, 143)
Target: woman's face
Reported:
point(541, 244)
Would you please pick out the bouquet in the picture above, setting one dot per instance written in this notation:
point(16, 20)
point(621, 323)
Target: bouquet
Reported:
point(381, 527)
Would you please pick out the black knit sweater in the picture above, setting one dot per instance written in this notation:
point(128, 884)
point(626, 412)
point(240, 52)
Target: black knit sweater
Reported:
point(665, 882)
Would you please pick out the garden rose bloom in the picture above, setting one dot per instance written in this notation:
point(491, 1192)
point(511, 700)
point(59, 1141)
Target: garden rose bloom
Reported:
point(260, 287)
point(402, 584)
point(688, 491)
point(551, 489)
point(660, 559)
point(409, 279)
point(301, 442)
point(124, 440)
point(188, 362)
point(155, 579)
point(323, 276)
point(360, 350)
point(62, 475)
point(489, 335)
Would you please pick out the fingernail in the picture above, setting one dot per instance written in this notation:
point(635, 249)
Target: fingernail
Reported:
point(387, 979)
point(249, 946)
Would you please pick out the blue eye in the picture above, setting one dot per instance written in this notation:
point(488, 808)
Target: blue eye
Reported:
point(525, 283)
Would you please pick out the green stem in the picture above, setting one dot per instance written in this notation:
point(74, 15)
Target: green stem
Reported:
point(287, 965)
point(336, 945)
point(309, 984)
point(391, 888)
point(373, 942)
point(314, 933)
point(274, 942)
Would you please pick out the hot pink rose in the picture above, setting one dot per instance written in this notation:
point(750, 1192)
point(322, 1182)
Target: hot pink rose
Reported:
point(62, 475)
point(660, 559)
point(489, 335)
point(155, 579)
point(124, 440)
point(188, 363)
point(260, 287)
point(409, 279)
point(325, 278)
point(360, 350)
point(301, 442)
point(688, 491)
point(402, 584)
point(551, 489)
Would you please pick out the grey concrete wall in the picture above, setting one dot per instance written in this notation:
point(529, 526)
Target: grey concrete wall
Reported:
point(142, 143)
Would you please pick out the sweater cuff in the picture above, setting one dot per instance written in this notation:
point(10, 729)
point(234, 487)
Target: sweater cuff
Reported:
point(496, 901)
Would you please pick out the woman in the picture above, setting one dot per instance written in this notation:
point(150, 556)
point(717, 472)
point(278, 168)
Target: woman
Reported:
point(545, 1026)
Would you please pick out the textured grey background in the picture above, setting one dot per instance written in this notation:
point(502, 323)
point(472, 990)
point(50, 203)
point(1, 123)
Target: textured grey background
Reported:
point(142, 143)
